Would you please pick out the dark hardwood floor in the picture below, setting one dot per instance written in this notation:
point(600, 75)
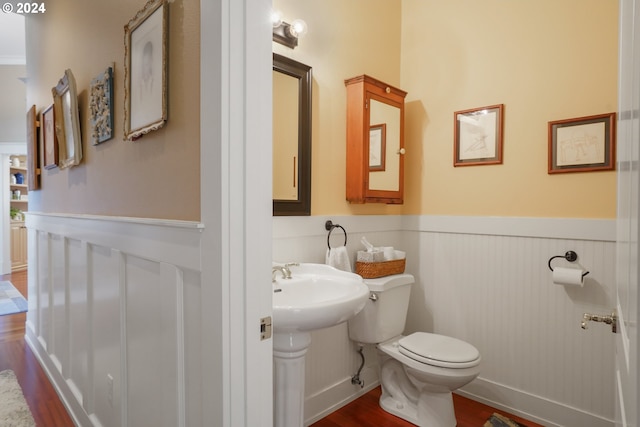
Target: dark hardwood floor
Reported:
point(365, 412)
point(49, 411)
point(15, 354)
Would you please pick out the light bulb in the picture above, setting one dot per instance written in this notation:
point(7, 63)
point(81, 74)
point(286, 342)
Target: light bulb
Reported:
point(298, 28)
point(276, 18)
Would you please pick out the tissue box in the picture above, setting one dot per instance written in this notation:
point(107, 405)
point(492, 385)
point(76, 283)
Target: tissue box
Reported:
point(372, 270)
point(366, 256)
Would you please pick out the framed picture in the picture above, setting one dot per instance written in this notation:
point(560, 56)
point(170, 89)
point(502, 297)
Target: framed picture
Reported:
point(477, 136)
point(101, 107)
point(145, 69)
point(377, 147)
point(67, 121)
point(584, 144)
point(33, 163)
point(49, 138)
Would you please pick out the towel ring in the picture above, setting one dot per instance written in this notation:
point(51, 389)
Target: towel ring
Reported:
point(329, 226)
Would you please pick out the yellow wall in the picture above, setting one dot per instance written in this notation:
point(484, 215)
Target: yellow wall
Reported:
point(159, 175)
point(544, 60)
point(345, 39)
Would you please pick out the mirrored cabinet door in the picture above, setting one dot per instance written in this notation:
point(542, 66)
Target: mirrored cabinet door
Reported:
point(375, 141)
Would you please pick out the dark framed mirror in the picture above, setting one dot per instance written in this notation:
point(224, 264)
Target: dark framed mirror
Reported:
point(291, 137)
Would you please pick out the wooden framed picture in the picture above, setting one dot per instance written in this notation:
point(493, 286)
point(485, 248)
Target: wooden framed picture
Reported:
point(583, 144)
point(377, 147)
point(477, 136)
point(33, 159)
point(101, 107)
point(145, 69)
point(67, 121)
point(49, 138)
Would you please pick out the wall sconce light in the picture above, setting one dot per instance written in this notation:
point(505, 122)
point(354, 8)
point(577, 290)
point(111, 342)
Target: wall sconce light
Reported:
point(285, 33)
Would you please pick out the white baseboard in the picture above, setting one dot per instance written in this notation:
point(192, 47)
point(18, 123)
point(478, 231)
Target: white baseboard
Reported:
point(342, 393)
point(524, 404)
point(74, 408)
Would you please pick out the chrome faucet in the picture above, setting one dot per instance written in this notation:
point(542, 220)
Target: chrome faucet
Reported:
point(286, 273)
point(284, 269)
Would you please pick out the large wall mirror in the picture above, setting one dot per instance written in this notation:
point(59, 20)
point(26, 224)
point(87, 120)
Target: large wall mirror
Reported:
point(291, 137)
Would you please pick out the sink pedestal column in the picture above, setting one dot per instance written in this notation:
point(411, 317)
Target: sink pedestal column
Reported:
point(289, 350)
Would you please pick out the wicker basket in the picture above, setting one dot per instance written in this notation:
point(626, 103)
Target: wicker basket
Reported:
point(371, 270)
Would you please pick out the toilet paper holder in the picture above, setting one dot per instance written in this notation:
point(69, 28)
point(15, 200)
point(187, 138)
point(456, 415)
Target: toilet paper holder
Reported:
point(570, 256)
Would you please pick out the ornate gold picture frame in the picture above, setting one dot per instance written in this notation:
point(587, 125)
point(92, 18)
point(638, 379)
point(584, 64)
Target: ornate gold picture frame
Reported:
point(145, 69)
point(67, 121)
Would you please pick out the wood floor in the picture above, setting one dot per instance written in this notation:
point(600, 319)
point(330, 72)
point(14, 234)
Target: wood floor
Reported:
point(365, 412)
point(46, 407)
point(49, 411)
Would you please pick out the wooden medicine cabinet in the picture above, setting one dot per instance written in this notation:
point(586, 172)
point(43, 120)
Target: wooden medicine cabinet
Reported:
point(375, 141)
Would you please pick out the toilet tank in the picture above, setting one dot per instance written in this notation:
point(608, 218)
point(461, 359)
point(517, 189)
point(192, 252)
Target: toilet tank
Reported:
point(384, 316)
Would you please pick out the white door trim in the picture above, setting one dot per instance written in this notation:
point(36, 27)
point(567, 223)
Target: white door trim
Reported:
point(236, 211)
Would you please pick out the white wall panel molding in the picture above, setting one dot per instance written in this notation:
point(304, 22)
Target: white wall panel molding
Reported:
point(553, 228)
point(111, 317)
point(172, 241)
point(484, 280)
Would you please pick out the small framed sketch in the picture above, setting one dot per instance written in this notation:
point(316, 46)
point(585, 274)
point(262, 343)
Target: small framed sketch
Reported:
point(478, 136)
point(101, 107)
point(145, 69)
point(377, 147)
point(49, 139)
point(583, 144)
point(67, 121)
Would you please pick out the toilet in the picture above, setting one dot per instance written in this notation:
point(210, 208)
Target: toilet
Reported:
point(418, 372)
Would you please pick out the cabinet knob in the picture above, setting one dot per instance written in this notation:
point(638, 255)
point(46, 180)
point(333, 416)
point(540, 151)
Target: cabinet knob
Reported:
point(388, 89)
point(401, 151)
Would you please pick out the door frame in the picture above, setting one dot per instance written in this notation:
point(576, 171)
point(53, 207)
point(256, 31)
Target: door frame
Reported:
point(235, 138)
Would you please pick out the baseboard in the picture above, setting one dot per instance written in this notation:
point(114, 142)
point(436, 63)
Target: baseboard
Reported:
point(522, 404)
point(66, 395)
point(318, 405)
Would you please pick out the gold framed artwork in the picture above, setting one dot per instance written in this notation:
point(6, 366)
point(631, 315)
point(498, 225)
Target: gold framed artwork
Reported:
point(145, 70)
point(67, 121)
point(583, 144)
point(49, 138)
point(478, 136)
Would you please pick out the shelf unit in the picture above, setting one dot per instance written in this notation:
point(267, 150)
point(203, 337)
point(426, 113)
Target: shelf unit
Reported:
point(18, 229)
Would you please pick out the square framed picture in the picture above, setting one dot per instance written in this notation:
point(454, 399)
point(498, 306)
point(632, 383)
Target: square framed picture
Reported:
point(49, 138)
point(583, 144)
point(377, 147)
point(478, 136)
point(145, 68)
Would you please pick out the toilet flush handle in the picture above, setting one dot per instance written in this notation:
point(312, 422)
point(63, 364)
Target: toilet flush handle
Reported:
point(373, 296)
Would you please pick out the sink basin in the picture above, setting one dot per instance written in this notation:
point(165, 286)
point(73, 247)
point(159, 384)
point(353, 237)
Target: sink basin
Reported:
point(317, 296)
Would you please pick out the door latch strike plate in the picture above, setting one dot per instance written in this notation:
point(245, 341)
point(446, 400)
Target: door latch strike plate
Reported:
point(265, 328)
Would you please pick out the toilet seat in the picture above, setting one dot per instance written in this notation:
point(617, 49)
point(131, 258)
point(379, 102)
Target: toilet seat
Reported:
point(439, 350)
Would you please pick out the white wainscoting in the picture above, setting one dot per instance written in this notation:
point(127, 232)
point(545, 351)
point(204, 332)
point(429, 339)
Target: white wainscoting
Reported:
point(114, 317)
point(484, 280)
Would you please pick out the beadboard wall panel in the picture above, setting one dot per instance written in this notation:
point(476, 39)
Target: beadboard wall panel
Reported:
point(484, 280)
point(114, 316)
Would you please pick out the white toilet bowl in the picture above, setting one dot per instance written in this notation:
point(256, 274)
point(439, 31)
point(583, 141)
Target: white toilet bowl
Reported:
point(418, 374)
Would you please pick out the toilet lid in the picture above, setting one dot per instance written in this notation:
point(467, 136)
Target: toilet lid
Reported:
point(439, 350)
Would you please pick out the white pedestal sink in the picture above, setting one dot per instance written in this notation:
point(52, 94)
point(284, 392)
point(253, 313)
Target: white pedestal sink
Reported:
point(316, 296)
